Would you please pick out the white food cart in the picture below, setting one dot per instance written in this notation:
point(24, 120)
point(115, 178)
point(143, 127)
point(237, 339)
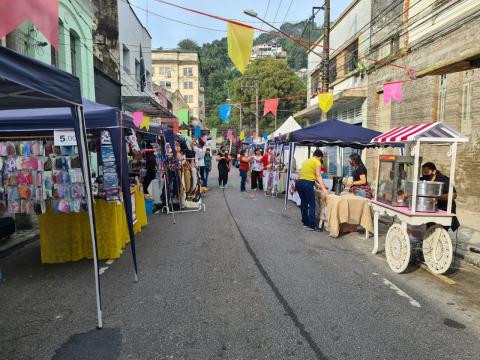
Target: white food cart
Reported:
point(436, 245)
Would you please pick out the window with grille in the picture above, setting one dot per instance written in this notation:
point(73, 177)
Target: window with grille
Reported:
point(351, 56)
point(188, 85)
point(188, 71)
point(332, 71)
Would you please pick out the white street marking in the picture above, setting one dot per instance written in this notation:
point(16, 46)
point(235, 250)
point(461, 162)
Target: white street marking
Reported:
point(102, 270)
point(109, 262)
point(401, 292)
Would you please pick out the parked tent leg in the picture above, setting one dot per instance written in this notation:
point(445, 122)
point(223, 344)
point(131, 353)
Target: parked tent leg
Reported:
point(289, 172)
point(79, 122)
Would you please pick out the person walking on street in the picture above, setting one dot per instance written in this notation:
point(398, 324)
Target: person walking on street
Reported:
point(257, 170)
point(244, 168)
point(223, 164)
point(310, 175)
point(208, 166)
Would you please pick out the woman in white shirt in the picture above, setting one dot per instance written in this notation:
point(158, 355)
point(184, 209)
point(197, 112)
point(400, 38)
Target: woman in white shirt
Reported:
point(199, 148)
point(257, 169)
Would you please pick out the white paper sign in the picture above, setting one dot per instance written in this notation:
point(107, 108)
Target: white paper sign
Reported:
point(64, 138)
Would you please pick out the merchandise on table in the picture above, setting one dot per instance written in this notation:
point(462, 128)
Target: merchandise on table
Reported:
point(34, 173)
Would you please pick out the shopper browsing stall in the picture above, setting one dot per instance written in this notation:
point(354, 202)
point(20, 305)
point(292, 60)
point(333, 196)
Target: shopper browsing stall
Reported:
point(199, 148)
point(310, 175)
point(257, 170)
point(359, 184)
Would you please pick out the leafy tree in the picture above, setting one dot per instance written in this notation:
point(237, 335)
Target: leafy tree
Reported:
point(188, 44)
point(275, 80)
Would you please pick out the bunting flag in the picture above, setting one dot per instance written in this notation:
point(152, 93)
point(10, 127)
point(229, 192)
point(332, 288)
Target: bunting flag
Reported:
point(145, 124)
point(392, 91)
point(213, 133)
point(240, 44)
point(224, 112)
point(137, 118)
point(270, 106)
point(325, 101)
point(183, 116)
point(230, 134)
point(198, 132)
point(265, 136)
point(242, 135)
point(42, 13)
point(204, 138)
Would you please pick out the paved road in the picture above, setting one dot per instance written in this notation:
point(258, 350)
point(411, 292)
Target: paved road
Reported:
point(241, 281)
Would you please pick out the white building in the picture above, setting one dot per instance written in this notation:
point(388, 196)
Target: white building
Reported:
point(270, 49)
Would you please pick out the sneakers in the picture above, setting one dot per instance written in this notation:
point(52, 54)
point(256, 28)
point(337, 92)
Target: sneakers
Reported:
point(315, 229)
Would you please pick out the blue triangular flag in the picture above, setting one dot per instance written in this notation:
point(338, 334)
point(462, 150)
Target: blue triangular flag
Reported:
point(265, 136)
point(198, 132)
point(224, 112)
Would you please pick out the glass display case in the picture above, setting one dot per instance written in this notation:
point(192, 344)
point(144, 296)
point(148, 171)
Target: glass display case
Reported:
point(393, 174)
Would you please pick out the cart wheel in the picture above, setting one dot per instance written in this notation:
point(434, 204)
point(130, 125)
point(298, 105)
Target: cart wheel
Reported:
point(437, 249)
point(397, 248)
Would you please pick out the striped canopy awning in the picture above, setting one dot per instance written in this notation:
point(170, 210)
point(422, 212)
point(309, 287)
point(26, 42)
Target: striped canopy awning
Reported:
point(434, 131)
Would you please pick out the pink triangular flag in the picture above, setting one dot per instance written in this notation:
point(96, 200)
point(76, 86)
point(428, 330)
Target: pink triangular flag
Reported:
point(392, 91)
point(204, 138)
point(137, 118)
point(270, 106)
point(229, 134)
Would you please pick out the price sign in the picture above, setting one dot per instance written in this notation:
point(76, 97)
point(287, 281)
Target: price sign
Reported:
point(64, 138)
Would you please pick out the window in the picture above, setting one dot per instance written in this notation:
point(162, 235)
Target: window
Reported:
point(73, 53)
point(188, 71)
point(165, 84)
point(188, 85)
point(351, 57)
point(164, 70)
point(466, 126)
point(188, 98)
point(53, 56)
point(332, 71)
point(126, 59)
point(314, 84)
point(137, 71)
point(148, 80)
point(442, 97)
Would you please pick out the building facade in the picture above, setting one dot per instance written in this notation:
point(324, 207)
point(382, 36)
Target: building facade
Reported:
point(75, 48)
point(179, 70)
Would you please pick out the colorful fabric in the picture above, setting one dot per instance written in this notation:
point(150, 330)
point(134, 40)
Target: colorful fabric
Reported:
point(240, 44)
point(325, 101)
point(183, 116)
point(137, 118)
point(225, 112)
point(392, 91)
point(270, 106)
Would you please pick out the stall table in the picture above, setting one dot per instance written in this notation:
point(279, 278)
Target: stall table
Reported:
point(65, 237)
point(344, 209)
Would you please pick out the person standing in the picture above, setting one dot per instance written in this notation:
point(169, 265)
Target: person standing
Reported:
point(310, 175)
point(208, 166)
point(223, 164)
point(198, 147)
point(244, 168)
point(257, 170)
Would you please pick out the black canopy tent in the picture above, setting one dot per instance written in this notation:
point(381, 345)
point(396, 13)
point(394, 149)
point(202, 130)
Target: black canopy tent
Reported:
point(327, 133)
point(26, 83)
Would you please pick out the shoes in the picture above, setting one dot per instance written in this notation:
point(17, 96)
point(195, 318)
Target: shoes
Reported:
point(222, 187)
point(315, 229)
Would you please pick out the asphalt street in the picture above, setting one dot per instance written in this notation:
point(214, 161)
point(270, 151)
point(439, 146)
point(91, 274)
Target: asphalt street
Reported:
point(243, 280)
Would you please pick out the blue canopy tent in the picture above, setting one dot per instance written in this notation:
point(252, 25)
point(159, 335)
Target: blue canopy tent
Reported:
point(97, 116)
point(26, 83)
point(328, 133)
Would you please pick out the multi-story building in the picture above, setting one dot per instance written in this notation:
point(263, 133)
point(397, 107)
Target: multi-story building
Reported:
point(270, 49)
point(74, 52)
point(179, 70)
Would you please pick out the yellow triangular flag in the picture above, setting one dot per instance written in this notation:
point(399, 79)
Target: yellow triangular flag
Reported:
point(145, 123)
point(240, 43)
point(242, 135)
point(325, 101)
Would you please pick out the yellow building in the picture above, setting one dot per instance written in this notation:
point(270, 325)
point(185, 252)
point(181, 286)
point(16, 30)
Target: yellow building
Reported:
point(179, 70)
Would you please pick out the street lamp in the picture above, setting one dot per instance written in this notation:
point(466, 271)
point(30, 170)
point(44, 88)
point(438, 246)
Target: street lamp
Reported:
point(239, 108)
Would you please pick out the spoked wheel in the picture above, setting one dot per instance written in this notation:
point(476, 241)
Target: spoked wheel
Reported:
point(437, 249)
point(397, 248)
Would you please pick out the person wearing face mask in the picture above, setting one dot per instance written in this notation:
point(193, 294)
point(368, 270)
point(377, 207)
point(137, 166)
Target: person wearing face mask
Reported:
point(359, 184)
point(430, 173)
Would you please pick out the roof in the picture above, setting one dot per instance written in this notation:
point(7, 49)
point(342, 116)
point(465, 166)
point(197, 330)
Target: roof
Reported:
point(288, 126)
point(429, 132)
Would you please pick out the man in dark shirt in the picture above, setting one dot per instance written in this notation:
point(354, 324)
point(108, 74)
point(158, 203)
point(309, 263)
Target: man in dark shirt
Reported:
point(430, 173)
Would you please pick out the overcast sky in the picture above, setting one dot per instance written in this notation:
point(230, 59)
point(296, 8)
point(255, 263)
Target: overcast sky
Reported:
point(167, 34)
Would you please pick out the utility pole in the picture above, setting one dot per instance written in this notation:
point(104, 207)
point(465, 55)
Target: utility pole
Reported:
point(252, 84)
point(326, 45)
point(256, 110)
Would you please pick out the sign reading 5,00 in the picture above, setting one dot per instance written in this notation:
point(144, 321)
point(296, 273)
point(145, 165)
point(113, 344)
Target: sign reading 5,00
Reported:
point(64, 138)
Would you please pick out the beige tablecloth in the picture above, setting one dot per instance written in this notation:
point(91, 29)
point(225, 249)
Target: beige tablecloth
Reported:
point(344, 209)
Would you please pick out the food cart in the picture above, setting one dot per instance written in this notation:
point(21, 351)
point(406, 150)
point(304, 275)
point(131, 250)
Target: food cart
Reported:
point(402, 183)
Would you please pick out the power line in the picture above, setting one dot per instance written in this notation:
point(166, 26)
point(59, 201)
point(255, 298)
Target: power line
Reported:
point(278, 9)
point(288, 9)
point(266, 11)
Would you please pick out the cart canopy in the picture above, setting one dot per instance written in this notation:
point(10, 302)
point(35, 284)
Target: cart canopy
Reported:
point(437, 132)
point(333, 133)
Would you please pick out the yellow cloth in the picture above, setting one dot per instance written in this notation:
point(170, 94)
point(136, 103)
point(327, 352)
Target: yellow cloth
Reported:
point(325, 101)
point(66, 237)
point(345, 209)
point(240, 44)
point(309, 169)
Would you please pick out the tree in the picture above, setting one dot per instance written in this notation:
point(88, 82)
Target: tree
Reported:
point(275, 80)
point(188, 44)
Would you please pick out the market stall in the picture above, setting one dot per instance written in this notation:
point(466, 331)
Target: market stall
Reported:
point(402, 196)
point(28, 83)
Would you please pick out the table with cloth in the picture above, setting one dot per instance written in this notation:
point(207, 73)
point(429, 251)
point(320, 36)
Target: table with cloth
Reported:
point(344, 211)
point(66, 237)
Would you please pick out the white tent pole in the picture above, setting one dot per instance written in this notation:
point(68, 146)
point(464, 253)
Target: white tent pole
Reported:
point(87, 178)
point(289, 172)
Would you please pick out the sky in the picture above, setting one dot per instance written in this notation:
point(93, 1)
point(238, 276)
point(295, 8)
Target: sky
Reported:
point(166, 33)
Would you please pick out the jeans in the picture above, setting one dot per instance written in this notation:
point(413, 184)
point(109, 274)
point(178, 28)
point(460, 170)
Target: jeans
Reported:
point(306, 192)
point(202, 175)
point(205, 181)
point(257, 180)
point(243, 175)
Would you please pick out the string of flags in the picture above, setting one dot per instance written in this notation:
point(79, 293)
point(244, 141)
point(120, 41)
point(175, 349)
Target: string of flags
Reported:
point(141, 121)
